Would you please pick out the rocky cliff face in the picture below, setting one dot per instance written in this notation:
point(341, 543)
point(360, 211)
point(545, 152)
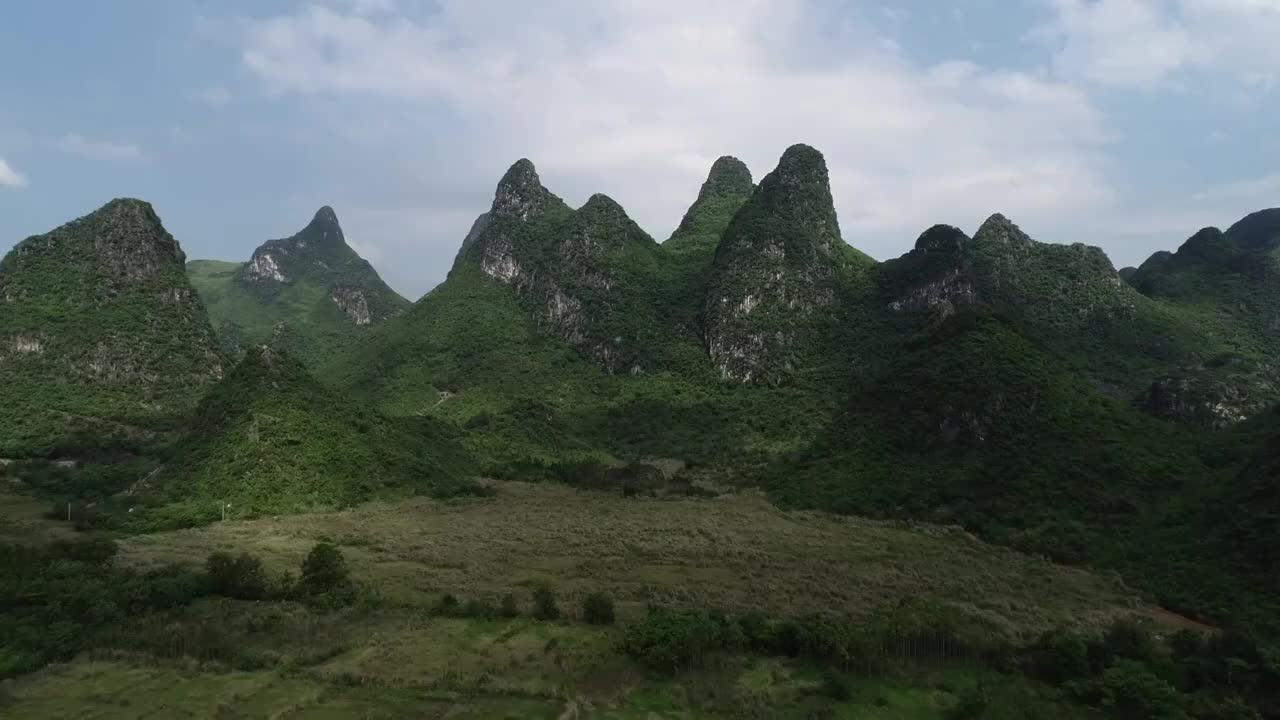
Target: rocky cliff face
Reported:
point(772, 272)
point(101, 321)
point(352, 302)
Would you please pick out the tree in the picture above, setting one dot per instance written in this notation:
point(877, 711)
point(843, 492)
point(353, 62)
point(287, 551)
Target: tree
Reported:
point(544, 604)
point(597, 609)
point(1059, 656)
point(238, 577)
point(447, 606)
point(510, 606)
point(324, 571)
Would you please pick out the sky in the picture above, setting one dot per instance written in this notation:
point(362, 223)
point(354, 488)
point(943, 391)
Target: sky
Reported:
point(1127, 124)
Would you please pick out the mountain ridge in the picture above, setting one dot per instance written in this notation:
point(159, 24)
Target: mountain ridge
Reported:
point(311, 291)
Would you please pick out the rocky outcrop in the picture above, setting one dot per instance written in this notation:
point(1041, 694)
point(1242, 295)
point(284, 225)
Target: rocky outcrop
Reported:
point(773, 272)
point(264, 267)
point(1198, 401)
point(351, 301)
point(1059, 286)
point(564, 265)
point(1216, 394)
point(318, 248)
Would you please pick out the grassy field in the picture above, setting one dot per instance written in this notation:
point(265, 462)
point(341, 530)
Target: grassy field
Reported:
point(223, 658)
point(113, 690)
point(735, 553)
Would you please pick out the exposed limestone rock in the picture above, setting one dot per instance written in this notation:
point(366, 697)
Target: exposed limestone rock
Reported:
point(28, 344)
point(1220, 393)
point(772, 271)
point(263, 266)
point(130, 243)
point(1198, 401)
point(520, 193)
point(352, 302)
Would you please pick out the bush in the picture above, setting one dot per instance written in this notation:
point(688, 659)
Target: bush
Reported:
point(1125, 639)
point(836, 686)
point(447, 606)
point(972, 705)
point(510, 606)
point(95, 551)
point(1131, 690)
point(597, 609)
point(668, 642)
point(478, 609)
point(326, 580)
point(1058, 656)
point(237, 577)
point(544, 604)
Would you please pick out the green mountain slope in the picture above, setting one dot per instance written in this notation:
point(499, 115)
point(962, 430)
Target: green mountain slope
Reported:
point(564, 334)
point(101, 335)
point(270, 439)
point(310, 293)
point(586, 276)
point(1229, 284)
point(1067, 297)
point(775, 273)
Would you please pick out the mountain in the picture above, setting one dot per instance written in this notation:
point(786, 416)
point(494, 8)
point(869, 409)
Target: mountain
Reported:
point(310, 293)
point(270, 439)
point(775, 272)
point(1229, 284)
point(565, 334)
point(101, 334)
point(585, 276)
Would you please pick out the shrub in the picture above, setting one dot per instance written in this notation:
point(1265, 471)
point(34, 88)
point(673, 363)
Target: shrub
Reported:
point(478, 609)
point(447, 606)
point(597, 609)
point(668, 642)
point(95, 551)
point(326, 580)
point(544, 604)
point(237, 577)
point(1058, 656)
point(972, 705)
point(1128, 640)
point(510, 606)
point(836, 686)
point(1131, 690)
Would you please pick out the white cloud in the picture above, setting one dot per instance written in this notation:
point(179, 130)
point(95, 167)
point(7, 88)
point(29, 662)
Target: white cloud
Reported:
point(9, 178)
point(1149, 44)
point(77, 144)
point(638, 98)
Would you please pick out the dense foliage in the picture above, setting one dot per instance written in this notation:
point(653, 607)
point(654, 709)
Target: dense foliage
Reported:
point(102, 338)
point(270, 439)
point(59, 600)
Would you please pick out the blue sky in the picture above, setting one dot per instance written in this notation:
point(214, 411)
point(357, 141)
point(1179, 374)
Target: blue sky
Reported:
point(1127, 124)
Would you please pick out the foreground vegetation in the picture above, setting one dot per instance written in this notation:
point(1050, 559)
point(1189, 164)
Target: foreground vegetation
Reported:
point(405, 608)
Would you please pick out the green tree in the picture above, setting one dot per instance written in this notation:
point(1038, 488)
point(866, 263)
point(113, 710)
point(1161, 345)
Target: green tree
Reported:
point(324, 571)
point(240, 577)
point(544, 604)
point(597, 609)
point(510, 606)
